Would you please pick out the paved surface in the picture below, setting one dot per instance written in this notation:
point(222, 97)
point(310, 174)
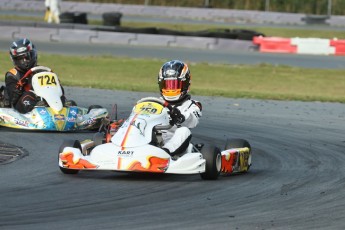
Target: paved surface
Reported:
point(296, 181)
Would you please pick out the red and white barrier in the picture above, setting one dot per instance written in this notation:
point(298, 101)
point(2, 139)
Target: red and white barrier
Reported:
point(339, 46)
point(313, 46)
point(274, 44)
point(316, 46)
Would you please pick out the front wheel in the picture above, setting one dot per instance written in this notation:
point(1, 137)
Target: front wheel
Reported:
point(73, 144)
point(213, 158)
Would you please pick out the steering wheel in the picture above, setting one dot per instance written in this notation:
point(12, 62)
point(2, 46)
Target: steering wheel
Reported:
point(32, 71)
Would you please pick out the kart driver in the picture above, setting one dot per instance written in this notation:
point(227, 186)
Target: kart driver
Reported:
point(24, 56)
point(174, 81)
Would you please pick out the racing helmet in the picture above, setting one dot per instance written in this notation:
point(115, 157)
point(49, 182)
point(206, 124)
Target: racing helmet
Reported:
point(174, 80)
point(23, 54)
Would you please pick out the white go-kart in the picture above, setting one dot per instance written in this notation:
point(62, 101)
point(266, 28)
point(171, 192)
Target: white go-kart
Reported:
point(51, 114)
point(136, 147)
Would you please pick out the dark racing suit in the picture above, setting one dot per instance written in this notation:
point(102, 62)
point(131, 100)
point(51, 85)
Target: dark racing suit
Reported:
point(20, 98)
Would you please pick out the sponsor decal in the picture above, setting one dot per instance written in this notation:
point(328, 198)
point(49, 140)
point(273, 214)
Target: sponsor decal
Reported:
point(170, 72)
point(59, 117)
point(124, 153)
point(26, 103)
point(43, 111)
point(139, 126)
point(21, 49)
point(90, 121)
point(235, 160)
point(21, 122)
point(71, 119)
point(73, 112)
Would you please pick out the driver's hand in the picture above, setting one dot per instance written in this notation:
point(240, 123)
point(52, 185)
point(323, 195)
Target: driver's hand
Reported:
point(176, 116)
point(21, 83)
point(19, 87)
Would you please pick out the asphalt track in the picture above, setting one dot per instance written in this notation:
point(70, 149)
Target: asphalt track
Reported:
point(296, 181)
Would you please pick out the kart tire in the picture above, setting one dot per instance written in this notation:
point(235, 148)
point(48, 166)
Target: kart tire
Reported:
point(239, 143)
point(94, 107)
point(69, 143)
point(213, 158)
point(69, 103)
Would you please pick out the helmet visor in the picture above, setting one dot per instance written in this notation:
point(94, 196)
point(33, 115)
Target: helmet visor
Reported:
point(171, 84)
point(171, 87)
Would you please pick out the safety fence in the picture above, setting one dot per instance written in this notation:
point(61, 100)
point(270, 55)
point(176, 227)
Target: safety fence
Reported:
point(225, 15)
point(318, 46)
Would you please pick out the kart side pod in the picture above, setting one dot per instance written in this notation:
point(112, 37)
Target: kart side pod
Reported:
point(236, 158)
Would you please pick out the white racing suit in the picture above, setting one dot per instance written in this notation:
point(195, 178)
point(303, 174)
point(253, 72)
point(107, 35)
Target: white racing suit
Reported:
point(177, 139)
point(54, 14)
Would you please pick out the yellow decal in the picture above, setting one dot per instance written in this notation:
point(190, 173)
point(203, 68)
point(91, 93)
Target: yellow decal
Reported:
point(148, 108)
point(244, 156)
point(47, 79)
point(60, 118)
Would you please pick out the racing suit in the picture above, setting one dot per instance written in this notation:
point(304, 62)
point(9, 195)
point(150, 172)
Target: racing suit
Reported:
point(21, 98)
point(177, 138)
point(53, 6)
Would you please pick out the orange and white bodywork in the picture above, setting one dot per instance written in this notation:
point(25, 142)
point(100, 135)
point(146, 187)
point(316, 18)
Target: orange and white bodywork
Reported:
point(131, 149)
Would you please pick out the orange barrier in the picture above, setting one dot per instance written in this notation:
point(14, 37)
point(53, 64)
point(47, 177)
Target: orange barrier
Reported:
point(274, 44)
point(339, 46)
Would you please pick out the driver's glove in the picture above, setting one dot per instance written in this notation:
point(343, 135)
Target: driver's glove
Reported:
point(19, 87)
point(21, 83)
point(176, 116)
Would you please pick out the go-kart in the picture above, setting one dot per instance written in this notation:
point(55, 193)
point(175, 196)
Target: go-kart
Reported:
point(50, 113)
point(136, 147)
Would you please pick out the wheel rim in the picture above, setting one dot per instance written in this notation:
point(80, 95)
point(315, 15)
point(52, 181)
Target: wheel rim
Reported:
point(219, 162)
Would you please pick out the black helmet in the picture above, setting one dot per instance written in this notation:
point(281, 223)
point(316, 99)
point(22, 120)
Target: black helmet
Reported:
point(23, 54)
point(174, 79)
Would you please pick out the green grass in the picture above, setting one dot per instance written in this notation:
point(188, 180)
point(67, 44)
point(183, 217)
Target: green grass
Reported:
point(238, 81)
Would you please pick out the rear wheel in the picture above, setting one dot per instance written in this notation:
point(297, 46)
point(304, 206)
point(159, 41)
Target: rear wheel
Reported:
point(213, 158)
point(94, 107)
point(236, 143)
point(239, 143)
point(73, 144)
